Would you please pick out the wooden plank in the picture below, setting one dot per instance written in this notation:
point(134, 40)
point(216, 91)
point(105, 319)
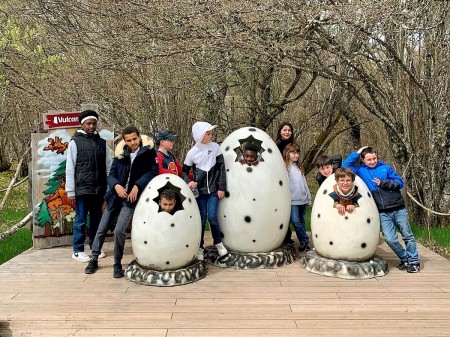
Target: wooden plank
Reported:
point(46, 293)
point(84, 332)
point(305, 331)
point(148, 324)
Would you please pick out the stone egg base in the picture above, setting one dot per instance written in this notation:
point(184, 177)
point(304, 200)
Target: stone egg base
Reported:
point(375, 267)
point(168, 278)
point(280, 257)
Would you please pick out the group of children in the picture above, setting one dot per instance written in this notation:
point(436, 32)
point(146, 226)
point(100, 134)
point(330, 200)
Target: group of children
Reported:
point(136, 162)
point(382, 180)
point(92, 177)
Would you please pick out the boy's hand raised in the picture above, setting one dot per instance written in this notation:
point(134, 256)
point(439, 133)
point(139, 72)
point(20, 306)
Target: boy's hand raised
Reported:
point(361, 149)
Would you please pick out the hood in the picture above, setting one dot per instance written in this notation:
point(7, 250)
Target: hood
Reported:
point(119, 152)
point(199, 129)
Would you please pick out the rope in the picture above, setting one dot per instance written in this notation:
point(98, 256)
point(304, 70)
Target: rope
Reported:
point(425, 208)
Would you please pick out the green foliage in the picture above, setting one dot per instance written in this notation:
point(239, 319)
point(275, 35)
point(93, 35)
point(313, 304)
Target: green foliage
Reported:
point(16, 38)
point(16, 207)
point(15, 244)
point(24, 40)
point(437, 239)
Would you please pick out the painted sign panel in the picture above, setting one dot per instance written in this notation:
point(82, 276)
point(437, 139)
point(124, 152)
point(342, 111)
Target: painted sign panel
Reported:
point(53, 215)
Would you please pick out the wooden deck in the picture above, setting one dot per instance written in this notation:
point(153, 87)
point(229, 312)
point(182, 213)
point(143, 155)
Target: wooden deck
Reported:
point(46, 293)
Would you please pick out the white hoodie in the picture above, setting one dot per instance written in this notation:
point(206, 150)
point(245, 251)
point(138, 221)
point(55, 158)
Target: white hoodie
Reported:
point(202, 155)
point(208, 160)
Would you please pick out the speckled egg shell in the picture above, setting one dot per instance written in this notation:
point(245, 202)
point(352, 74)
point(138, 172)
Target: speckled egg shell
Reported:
point(162, 241)
point(351, 237)
point(254, 215)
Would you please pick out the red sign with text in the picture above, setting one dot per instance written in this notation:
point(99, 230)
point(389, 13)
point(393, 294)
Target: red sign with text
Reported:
point(58, 120)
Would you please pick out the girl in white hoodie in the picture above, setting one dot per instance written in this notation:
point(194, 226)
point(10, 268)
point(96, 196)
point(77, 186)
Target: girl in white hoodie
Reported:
point(206, 161)
point(300, 195)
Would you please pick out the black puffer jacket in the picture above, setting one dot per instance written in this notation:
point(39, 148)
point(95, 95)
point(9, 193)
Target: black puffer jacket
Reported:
point(90, 166)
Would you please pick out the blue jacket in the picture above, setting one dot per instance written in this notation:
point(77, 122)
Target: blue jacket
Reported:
point(143, 170)
point(387, 196)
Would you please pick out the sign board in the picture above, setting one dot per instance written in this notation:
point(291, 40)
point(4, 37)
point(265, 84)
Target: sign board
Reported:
point(61, 119)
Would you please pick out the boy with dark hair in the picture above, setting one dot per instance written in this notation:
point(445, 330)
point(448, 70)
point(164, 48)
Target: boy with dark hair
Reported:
point(133, 167)
point(385, 185)
point(326, 166)
point(87, 165)
point(345, 193)
point(250, 155)
point(167, 201)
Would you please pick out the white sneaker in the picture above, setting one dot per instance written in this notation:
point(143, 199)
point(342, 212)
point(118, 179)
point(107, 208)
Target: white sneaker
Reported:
point(200, 255)
point(101, 256)
point(81, 257)
point(221, 249)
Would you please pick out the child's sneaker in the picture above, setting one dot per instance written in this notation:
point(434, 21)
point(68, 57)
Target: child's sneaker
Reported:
point(118, 271)
point(221, 249)
point(304, 248)
point(200, 255)
point(288, 242)
point(403, 265)
point(413, 268)
point(81, 257)
point(102, 255)
point(91, 267)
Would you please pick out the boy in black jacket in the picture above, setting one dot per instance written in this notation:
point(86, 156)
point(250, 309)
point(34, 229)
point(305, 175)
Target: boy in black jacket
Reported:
point(326, 166)
point(133, 167)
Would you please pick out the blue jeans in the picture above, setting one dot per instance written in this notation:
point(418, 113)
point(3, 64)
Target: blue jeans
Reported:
point(298, 220)
point(85, 204)
point(208, 205)
point(398, 220)
point(120, 215)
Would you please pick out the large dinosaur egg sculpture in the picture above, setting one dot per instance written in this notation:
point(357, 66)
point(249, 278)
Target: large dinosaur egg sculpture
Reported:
point(254, 215)
point(164, 241)
point(352, 236)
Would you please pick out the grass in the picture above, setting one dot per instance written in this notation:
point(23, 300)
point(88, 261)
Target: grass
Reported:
point(16, 208)
point(437, 239)
point(15, 244)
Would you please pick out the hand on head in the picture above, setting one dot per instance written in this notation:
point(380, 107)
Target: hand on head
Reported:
point(361, 149)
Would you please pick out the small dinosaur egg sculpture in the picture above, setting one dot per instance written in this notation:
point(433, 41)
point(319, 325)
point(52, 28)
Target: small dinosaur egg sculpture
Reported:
point(161, 240)
point(254, 214)
point(353, 236)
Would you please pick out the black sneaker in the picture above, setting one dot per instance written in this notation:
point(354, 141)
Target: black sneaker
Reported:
point(288, 242)
point(304, 248)
point(118, 271)
point(413, 268)
point(403, 265)
point(91, 267)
